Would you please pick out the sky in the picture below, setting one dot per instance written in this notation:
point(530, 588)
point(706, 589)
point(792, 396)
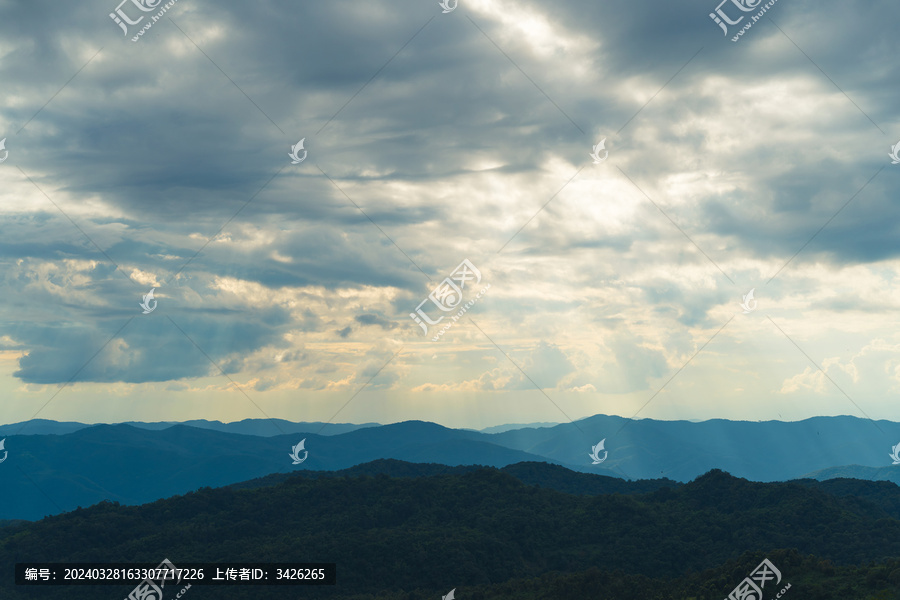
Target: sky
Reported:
point(289, 288)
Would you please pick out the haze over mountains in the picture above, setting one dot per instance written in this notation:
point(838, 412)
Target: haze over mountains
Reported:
point(55, 467)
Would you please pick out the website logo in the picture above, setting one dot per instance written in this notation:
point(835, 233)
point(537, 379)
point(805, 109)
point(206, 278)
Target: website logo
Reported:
point(595, 452)
point(146, 303)
point(296, 160)
point(448, 295)
point(596, 152)
point(723, 20)
point(748, 298)
point(445, 4)
point(152, 587)
point(3, 441)
point(751, 588)
point(5, 156)
point(295, 452)
point(895, 150)
point(123, 20)
point(895, 455)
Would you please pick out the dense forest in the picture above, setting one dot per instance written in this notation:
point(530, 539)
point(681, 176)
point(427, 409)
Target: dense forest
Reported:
point(540, 474)
point(491, 534)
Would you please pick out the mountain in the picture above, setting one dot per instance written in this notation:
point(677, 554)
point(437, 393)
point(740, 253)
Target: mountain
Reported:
point(488, 535)
point(533, 473)
point(564, 480)
point(266, 427)
point(502, 428)
point(260, 427)
point(131, 465)
point(40, 427)
point(891, 473)
point(134, 464)
point(878, 495)
point(681, 450)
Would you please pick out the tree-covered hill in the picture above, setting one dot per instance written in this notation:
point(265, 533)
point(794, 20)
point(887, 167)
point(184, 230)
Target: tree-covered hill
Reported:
point(533, 473)
point(489, 535)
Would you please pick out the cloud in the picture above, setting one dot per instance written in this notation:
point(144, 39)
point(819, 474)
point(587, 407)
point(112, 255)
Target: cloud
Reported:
point(434, 138)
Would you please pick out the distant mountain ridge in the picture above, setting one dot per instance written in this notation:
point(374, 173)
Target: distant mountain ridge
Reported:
point(260, 427)
point(131, 465)
point(508, 427)
point(64, 468)
point(891, 473)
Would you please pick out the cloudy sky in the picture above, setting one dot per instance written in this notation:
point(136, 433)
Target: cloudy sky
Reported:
point(285, 290)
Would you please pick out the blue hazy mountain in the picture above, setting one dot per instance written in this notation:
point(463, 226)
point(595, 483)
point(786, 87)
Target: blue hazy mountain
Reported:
point(56, 471)
point(40, 426)
point(891, 473)
point(683, 450)
point(49, 474)
point(503, 428)
point(261, 427)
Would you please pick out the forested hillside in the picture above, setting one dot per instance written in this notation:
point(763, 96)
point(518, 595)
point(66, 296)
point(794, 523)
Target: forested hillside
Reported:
point(489, 535)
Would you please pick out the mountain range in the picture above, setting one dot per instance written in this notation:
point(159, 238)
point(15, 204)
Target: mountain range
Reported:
point(55, 467)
